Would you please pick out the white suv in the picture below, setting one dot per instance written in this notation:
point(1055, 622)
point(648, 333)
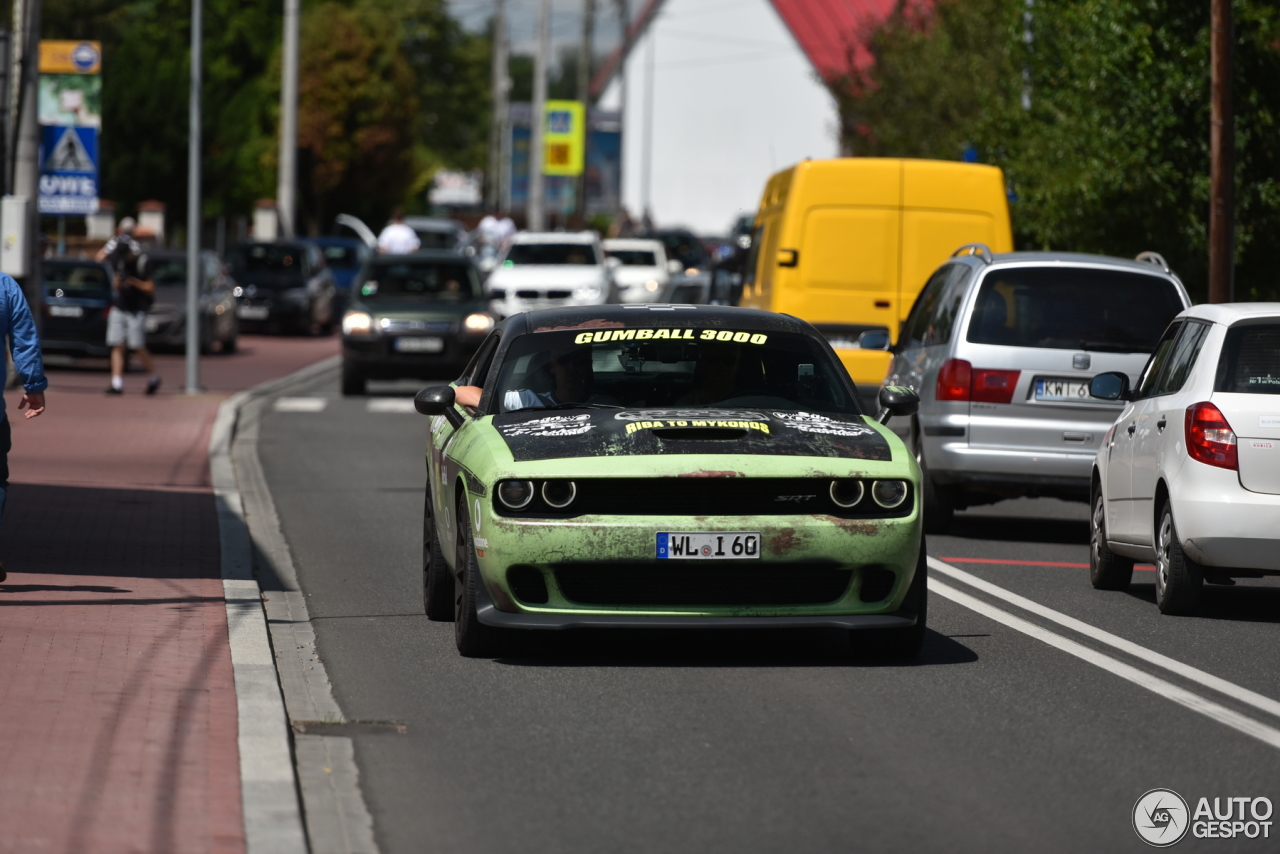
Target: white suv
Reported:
point(550, 269)
point(1189, 475)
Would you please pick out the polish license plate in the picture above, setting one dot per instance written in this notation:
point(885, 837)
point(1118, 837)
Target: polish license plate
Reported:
point(252, 312)
point(721, 545)
point(419, 345)
point(1048, 388)
point(66, 311)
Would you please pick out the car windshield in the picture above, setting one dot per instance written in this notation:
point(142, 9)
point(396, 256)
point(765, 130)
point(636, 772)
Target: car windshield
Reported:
point(266, 258)
point(1073, 309)
point(684, 248)
point(342, 257)
point(168, 271)
point(430, 280)
point(1250, 360)
point(430, 238)
point(634, 257)
point(550, 253)
point(685, 367)
point(76, 280)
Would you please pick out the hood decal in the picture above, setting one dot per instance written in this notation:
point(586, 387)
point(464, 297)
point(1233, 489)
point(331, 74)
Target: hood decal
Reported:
point(537, 435)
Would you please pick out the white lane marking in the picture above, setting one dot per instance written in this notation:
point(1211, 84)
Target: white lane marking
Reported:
point(1155, 684)
point(300, 404)
point(390, 404)
point(1186, 671)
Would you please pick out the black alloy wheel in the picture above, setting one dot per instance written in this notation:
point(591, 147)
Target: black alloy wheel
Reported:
point(1179, 579)
point(437, 581)
point(1107, 570)
point(474, 638)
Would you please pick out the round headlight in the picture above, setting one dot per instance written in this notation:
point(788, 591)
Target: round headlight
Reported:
point(559, 493)
point(847, 493)
point(889, 493)
point(515, 494)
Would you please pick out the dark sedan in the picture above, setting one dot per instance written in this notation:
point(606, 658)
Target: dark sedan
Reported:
point(419, 316)
point(77, 297)
point(283, 286)
point(167, 319)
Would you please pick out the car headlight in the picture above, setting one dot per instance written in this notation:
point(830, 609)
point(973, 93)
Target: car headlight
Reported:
point(652, 285)
point(515, 494)
point(847, 493)
point(237, 291)
point(477, 323)
point(559, 493)
point(889, 493)
point(357, 323)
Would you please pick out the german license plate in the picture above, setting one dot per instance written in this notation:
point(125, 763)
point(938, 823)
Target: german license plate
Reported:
point(419, 345)
point(66, 311)
point(252, 312)
point(721, 545)
point(1048, 388)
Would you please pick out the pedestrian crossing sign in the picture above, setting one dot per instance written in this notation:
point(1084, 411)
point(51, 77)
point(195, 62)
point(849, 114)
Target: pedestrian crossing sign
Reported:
point(564, 138)
point(68, 170)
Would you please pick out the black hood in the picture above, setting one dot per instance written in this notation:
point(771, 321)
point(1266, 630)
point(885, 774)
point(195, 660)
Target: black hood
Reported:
point(560, 434)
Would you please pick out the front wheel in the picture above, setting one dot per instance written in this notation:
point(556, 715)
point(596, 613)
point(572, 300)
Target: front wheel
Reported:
point(474, 638)
point(437, 583)
point(1107, 570)
point(907, 641)
point(1179, 578)
point(353, 384)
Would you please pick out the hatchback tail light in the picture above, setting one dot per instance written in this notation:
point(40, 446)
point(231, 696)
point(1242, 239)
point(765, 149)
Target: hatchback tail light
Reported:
point(958, 380)
point(1210, 438)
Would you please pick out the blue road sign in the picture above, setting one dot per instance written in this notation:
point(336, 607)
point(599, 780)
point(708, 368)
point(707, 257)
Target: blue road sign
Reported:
point(68, 170)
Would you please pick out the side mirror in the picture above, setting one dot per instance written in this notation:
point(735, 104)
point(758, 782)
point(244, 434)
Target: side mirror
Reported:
point(874, 339)
point(438, 400)
point(897, 400)
point(1113, 385)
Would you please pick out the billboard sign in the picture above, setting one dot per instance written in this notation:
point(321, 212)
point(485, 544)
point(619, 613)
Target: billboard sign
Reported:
point(70, 111)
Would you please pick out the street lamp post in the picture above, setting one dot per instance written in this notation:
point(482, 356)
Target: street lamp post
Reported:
point(1221, 145)
point(194, 203)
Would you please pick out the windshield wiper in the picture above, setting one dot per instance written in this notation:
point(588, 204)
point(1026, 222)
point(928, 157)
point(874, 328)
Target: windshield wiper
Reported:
point(571, 406)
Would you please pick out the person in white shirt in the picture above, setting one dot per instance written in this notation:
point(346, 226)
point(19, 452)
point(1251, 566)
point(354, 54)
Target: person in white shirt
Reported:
point(398, 238)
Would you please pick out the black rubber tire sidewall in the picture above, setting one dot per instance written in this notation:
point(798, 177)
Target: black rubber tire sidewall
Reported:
point(437, 582)
point(1180, 595)
point(1107, 570)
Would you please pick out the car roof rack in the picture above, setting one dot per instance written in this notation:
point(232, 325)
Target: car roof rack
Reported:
point(1153, 258)
point(974, 249)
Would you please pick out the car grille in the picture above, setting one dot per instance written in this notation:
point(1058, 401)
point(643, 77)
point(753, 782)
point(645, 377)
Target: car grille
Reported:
point(709, 496)
point(693, 585)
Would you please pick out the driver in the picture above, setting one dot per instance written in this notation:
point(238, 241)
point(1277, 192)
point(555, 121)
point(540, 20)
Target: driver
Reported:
point(572, 374)
point(715, 377)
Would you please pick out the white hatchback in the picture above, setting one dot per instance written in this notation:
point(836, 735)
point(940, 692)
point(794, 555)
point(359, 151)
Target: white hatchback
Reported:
point(643, 274)
point(1189, 475)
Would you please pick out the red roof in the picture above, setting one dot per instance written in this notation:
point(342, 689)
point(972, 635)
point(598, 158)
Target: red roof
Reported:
point(831, 32)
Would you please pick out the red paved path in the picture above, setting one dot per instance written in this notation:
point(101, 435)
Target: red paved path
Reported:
point(117, 706)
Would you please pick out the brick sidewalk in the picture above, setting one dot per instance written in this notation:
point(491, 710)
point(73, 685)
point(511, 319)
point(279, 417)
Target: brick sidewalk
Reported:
point(117, 708)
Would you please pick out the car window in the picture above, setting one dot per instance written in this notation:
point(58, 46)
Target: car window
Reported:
point(431, 280)
point(913, 332)
point(436, 239)
point(1250, 360)
point(1150, 376)
point(266, 258)
point(753, 256)
point(1114, 311)
point(167, 271)
point(212, 268)
point(550, 254)
point(634, 257)
point(684, 248)
point(478, 368)
point(672, 367)
point(77, 280)
point(1185, 350)
point(342, 257)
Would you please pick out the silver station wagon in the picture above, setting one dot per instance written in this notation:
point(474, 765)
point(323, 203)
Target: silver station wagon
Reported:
point(1001, 349)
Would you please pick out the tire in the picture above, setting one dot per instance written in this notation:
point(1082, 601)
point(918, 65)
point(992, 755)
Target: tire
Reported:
point(937, 502)
point(1107, 570)
point(1179, 579)
point(901, 643)
point(474, 638)
point(437, 581)
point(353, 384)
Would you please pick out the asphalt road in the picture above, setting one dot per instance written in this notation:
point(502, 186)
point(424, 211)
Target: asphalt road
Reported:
point(1032, 724)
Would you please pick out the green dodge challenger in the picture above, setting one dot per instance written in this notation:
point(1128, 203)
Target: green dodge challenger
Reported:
point(667, 466)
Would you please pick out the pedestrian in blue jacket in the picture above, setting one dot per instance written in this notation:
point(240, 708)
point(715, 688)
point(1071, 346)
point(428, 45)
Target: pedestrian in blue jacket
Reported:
point(17, 323)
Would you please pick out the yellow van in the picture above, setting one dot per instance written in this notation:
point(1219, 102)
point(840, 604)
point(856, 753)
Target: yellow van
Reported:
point(847, 244)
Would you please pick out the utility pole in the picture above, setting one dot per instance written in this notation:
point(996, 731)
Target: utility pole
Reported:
point(194, 202)
point(26, 149)
point(287, 176)
point(536, 220)
point(646, 173)
point(584, 95)
point(501, 83)
point(1221, 159)
point(624, 17)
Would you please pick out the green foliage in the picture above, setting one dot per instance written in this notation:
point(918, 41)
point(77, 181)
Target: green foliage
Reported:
point(1112, 155)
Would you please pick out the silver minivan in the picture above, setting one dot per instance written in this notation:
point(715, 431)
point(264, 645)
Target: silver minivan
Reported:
point(1001, 349)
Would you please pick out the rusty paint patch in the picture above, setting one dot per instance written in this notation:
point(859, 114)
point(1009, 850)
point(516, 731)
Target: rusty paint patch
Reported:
point(783, 541)
point(595, 323)
point(710, 473)
point(858, 527)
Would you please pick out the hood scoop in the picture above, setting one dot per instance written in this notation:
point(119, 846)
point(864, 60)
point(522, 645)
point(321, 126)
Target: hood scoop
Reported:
point(700, 434)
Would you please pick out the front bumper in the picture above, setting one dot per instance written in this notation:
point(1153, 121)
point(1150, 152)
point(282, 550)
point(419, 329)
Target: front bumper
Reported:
point(375, 357)
point(877, 556)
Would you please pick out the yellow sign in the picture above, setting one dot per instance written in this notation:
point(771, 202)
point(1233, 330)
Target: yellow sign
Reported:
point(70, 57)
point(564, 138)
